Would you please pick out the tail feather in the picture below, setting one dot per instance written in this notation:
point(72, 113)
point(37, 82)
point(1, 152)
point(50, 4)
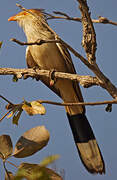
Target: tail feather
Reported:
point(86, 143)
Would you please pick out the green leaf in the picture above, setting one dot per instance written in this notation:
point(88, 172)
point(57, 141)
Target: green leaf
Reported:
point(48, 160)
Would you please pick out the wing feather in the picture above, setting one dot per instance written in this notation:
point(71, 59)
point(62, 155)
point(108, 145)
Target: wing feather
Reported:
point(31, 64)
point(71, 69)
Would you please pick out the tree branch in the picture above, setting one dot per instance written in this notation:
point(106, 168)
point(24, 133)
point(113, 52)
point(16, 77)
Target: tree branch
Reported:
point(100, 20)
point(10, 105)
point(89, 36)
point(79, 103)
point(101, 79)
point(108, 107)
point(85, 81)
point(38, 42)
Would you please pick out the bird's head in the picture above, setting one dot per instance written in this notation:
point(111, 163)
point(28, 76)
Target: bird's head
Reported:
point(28, 15)
point(31, 21)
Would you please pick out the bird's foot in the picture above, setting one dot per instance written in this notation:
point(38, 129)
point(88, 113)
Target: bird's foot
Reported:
point(35, 68)
point(52, 77)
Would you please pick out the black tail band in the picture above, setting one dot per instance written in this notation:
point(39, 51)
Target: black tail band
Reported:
point(81, 128)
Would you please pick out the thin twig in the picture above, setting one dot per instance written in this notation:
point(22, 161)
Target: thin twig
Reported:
point(100, 20)
point(38, 42)
point(67, 17)
point(8, 176)
point(70, 104)
point(5, 115)
point(79, 103)
point(55, 41)
point(5, 99)
point(104, 20)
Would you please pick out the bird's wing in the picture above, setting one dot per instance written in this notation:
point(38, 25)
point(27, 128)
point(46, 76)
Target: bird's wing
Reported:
point(70, 68)
point(67, 57)
point(31, 64)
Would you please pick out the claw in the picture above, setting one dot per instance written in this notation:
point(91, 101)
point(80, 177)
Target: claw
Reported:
point(36, 67)
point(52, 78)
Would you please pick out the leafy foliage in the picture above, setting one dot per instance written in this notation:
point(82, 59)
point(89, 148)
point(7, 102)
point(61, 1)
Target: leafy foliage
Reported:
point(31, 108)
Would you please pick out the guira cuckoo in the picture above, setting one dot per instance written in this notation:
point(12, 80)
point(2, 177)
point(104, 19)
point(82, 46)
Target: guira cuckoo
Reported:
point(50, 56)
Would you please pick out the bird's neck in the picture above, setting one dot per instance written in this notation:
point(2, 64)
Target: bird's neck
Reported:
point(36, 30)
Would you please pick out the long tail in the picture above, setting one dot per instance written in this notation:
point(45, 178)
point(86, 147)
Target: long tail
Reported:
point(86, 143)
point(83, 135)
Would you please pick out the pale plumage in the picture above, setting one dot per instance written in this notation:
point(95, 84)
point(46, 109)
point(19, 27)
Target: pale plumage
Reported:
point(55, 56)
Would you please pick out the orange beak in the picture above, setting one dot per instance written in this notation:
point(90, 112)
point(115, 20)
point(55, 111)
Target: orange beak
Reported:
point(12, 18)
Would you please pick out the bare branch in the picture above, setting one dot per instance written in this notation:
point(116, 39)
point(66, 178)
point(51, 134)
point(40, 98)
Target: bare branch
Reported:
point(103, 81)
point(63, 16)
point(104, 20)
point(89, 35)
point(41, 41)
point(85, 81)
point(5, 115)
point(67, 104)
point(38, 42)
point(100, 20)
point(79, 103)
point(5, 98)
point(18, 107)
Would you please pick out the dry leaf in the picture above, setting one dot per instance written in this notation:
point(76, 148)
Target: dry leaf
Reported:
point(35, 172)
point(31, 141)
point(16, 112)
point(6, 147)
point(16, 117)
point(33, 108)
point(15, 79)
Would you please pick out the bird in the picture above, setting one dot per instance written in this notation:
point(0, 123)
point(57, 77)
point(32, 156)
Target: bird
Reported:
point(55, 56)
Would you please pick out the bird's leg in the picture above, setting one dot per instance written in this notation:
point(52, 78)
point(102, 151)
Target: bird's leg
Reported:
point(52, 77)
point(35, 68)
point(26, 76)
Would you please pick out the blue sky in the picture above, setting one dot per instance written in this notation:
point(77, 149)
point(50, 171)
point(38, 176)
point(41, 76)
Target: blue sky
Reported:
point(61, 142)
